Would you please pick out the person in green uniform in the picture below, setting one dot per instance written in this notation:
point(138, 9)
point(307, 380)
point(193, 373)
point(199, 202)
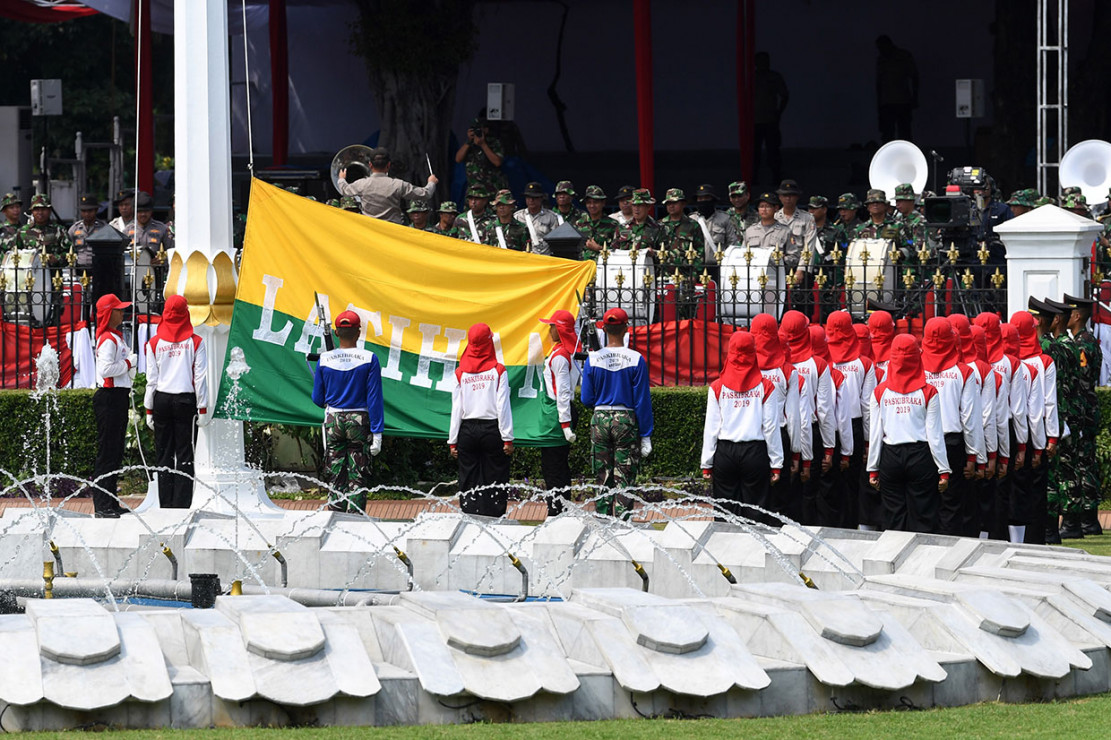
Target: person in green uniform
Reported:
point(643, 232)
point(741, 212)
point(482, 156)
point(1088, 414)
point(598, 228)
point(44, 235)
point(446, 225)
point(503, 230)
point(565, 209)
point(418, 213)
point(1061, 495)
point(683, 240)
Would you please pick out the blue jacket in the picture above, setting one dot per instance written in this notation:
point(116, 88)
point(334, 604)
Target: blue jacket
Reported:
point(618, 376)
point(350, 380)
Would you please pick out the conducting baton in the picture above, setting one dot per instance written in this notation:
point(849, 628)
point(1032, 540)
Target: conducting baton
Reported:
point(429, 161)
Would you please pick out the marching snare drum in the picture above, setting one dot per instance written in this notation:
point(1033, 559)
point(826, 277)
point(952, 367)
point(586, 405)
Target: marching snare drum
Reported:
point(743, 269)
point(621, 282)
point(25, 303)
point(874, 276)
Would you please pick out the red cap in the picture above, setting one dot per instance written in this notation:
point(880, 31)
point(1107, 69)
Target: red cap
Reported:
point(561, 318)
point(614, 317)
point(348, 319)
point(110, 302)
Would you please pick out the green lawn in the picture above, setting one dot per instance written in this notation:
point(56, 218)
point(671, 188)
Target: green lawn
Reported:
point(1100, 545)
point(1081, 718)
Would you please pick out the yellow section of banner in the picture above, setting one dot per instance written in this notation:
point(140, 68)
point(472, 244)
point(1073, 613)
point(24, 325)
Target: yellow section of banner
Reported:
point(378, 266)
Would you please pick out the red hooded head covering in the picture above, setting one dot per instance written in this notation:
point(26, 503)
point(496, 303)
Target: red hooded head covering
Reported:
point(989, 322)
point(479, 354)
point(882, 328)
point(939, 345)
point(740, 372)
point(865, 340)
point(843, 344)
point(819, 344)
point(1026, 327)
point(904, 369)
point(176, 325)
point(105, 305)
point(769, 351)
point(1010, 339)
point(980, 343)
point(564, 323)
point(794, 325)
point(963, 327)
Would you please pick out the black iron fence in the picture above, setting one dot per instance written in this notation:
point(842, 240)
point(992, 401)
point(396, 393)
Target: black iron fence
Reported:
point(47, 299)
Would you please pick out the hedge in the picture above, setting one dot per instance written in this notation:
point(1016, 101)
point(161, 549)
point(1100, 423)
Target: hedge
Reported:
point(676, 441)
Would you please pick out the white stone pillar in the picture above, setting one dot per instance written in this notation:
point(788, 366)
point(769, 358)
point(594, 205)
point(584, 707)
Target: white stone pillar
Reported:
point(202, 160)
point(1046, 249)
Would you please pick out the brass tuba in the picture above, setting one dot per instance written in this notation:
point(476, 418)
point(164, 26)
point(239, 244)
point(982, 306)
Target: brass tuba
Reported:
point(355, 159)
point(897, 162)
point(1087, 165)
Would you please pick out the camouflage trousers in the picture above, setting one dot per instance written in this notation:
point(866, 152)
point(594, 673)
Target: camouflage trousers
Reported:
point(1088, 468)
point(1065, 492)
point(615, 457)
point(347, 452)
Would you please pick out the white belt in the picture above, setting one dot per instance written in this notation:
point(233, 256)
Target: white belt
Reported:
point(331, 410)
point(612, 408)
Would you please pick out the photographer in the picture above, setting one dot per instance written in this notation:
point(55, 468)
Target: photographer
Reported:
point(483, 155)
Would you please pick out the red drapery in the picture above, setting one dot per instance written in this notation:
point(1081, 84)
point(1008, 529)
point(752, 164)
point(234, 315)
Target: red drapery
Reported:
point(20, 10)
point(279, 80)
point(21, 347)
point(642, 34)
point(688, 352)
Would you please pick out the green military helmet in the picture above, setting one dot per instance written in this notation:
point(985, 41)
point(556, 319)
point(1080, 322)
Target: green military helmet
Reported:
point(875, 195)
point(10, 199)
point(1074, 201)
point(594, 192)
point(419, 206)
point(478, 191)
point(348, 203)
point(847, 202)
point(1071, 190)
point(40, 201)
point(1032, 195)
point(905, 191)
point(1018, 198)
point(504, 198)
point(643, 197)
point(739, 187)
point(1044, 200)
point(675, 195)
point(565, 186)
point(448, 206)
point(818, 201)
point(333, 202)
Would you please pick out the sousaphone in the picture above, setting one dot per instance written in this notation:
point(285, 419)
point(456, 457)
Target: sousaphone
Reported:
point(355, 159)
point(1088, 165)
point(897, 162)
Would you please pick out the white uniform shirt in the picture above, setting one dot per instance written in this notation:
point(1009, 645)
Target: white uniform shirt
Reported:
point(818, 385)
point(958, 387)
point(560, 378)
point(112, 367)
point(1021, 380)
point(904, 418)
point(482, 395)
point(1042, 402)
point(1003, 370)
point(177, 367)
point(795, 408)
point(743, 416)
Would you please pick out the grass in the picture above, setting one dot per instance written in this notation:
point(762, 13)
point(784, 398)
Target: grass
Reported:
point(1088, 717)
point(1098, 545)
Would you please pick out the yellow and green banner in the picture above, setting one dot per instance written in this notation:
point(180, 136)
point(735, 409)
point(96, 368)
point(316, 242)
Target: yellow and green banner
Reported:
point(417, 293)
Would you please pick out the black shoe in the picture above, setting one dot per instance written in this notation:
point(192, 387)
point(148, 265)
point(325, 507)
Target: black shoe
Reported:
point(110, 514)
point(1070, 528)
point(1089, 523)
point(1052, 533)
point(119, 509)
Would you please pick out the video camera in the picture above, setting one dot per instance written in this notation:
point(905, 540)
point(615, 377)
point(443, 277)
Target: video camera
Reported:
point(959, 210)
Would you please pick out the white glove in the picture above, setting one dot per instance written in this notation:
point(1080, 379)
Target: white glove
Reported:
point(150, 421)
point(645, 446)
point(132, 361)
point(204, 419)
point(376, 445)
point(569, 435)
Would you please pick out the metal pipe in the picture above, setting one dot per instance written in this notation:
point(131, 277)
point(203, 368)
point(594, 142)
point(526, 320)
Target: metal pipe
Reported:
point(173, 560)
point(236, 588)
point(48, 579)
point(285, 568)
point(524, 576)
point(59, 568)
point(643, 575)
point(806, 581)
point(728, 576)
point(408, 565)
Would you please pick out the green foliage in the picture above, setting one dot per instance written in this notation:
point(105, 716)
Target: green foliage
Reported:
point(23, 436)
point(1103, 442)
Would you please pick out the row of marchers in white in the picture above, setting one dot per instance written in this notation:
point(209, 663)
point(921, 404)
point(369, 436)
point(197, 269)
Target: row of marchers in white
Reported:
point(899, 619)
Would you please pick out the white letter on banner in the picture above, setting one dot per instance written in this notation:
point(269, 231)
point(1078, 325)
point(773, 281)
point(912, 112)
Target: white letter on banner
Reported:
point(535, 362)
point(313, 331)
point(370, 319)
point(392, 370)
point(264, 333)
point(428, 355)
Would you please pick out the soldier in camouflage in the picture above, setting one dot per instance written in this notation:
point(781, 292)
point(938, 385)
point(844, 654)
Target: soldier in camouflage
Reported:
point(418, 213)
point(446, 225)
point(1088, 414)
point(43, 235)
point(1078, 204)
point(350, 203)
point(12, 222)
point(1020, 202)
point(643, 232)
point(831, 253)
point(565, 209)
point(482, 156)
point(683, 243)
point(848, 218)
point(882, 226)
point(471, 226)
point(741, 212)
point(1063, 491)
point(915, 222)
point(598, 229)
point(505, 231)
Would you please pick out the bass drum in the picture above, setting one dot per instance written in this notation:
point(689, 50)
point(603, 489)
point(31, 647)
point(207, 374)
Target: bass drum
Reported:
point(748, 298)
point(135, 269)
point(23, 304)
point(868, 260)
point(621, 283)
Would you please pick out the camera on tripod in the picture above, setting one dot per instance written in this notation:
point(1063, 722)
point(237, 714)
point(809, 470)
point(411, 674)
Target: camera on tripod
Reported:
point(959, 211)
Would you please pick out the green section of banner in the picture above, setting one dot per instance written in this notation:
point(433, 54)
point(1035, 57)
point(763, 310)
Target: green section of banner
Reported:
point(278, 387)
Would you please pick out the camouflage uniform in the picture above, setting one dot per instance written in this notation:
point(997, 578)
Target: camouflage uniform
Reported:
point(9, 231)
point(51, 238)
point(347, 450)
point(480, 171)
point(481, 220)
point(603, 231)
point(647, 235)
point(1063, 492)
point(680, 236)
point(572, 214)
point(447, 206)
point(514, 232)
point(914, 221)
point(350, 203)
point(1088, 419)
point(743, 219)
point(615, 457)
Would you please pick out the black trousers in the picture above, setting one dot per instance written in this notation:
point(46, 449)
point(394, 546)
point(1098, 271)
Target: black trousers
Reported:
point(1039, 507)
point(741, 476)
point(174, 437)
point(556, 469)
point(110, 407)
point(908, 487)
point(482, 462)
point(808, 498)
point(780, 494)
point(1014, 500)
point(830, 492)
point(986, 517)
point(850, 479)
point(951, 515)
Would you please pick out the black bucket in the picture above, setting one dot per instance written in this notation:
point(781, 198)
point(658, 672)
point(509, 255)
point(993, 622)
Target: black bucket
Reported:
point(205, 588)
